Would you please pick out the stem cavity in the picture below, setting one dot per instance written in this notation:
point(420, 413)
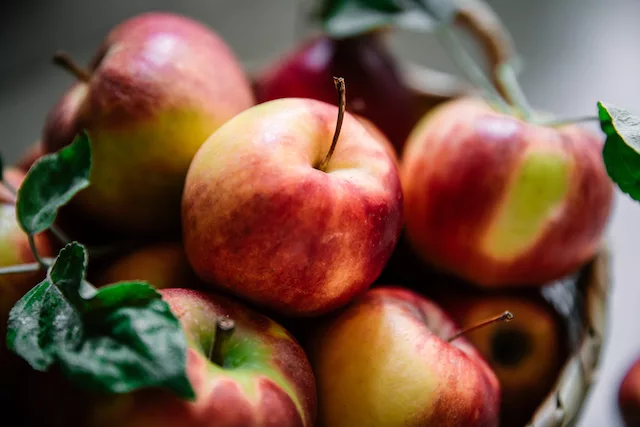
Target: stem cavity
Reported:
point(504, 317)
point(64, 60)
point(342, 105)
point(224, 330)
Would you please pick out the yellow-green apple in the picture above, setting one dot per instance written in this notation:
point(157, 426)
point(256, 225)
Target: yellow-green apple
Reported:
point(158, 86)
point(500, 201)
point(629, 395)
point(376, 83)
point(15, 249)
point(161, 264)
point(525, 354)
point(271, 216)
point(257, 375)
point(387, 360)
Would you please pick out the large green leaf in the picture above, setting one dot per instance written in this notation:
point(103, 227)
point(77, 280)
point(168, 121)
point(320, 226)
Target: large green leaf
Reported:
point(121, 339)
point(621, 151)
point(346, 18)
point(51, 182)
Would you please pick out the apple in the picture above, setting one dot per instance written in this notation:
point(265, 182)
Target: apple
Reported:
point(378, 91)
point(255, 375)
point(526, 354)
point(385, 360)
point(15, 249)
point(629, 395)
point(503, 202)
point(258, 375)
point(270, 215)
point(161, 264)
point(158, 86)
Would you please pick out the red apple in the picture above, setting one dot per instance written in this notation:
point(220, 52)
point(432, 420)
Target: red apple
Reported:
point(629, 395)
point(262, 377)
point(525, 354)
point(263, 219)
point(161, 264)
point(385, 360)
point(378, 91)
point(500, 201)
point(158, 86)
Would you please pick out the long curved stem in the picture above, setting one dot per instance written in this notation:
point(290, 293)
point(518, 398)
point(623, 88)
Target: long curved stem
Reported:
point(32, 244)
point(342, 105)
point(515, 95)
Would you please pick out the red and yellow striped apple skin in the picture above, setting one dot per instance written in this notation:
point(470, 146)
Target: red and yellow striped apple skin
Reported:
point(260, 221)
point(458, 172)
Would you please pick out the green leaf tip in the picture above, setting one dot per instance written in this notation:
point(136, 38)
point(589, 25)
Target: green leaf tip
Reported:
point(52, 182)
point(347, 18)
point(121, 339)
point(621, 152)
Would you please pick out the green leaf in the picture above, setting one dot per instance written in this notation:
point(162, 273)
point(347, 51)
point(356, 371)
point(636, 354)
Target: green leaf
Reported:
point(621, 152)
point(51, 182)
point(132, 340)
point(23, 327)
point(121, 339)
point(346, 18)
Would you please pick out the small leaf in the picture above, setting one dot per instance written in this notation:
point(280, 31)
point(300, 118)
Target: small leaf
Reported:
point(51, 182)
point(346, 18)
point(23, 327)
point(621, 151)
point(67, 272)
point(132, 340)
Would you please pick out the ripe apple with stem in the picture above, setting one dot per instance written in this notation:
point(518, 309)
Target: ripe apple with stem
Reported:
point(291, 210)
point(394, 358)
point(245, 368)
point(158, 86)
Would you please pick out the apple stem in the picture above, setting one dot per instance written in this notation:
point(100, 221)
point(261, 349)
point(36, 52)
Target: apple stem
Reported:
point(65, 61)
point(506, 75)
point(224, 330)
point(507, 316)
point(342, 105)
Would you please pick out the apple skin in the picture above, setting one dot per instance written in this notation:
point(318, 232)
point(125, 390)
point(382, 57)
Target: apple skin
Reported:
point(526, 354)
point(161, 264)
point(384, 361)
point(14, 249)
point(160, 84)
point(260, 221)
point(272, 384)
point(501, 202)
point(629, 395)
point(374, 82)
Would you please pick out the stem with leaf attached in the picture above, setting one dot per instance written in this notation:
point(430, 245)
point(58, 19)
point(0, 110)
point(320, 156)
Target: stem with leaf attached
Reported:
point(563, 122)
point(224, 330)
point(42, 261)
point(64, 60)
point(342, 105)
point(504, 317)
point(20, 268)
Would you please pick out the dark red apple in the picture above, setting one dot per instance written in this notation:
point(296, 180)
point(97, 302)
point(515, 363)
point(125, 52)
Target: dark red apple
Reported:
point(376, 87)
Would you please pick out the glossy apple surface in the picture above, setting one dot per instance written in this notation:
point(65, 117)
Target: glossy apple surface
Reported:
point(385, 361)
point(159, 84)
point(263, 222)
point(499, 201)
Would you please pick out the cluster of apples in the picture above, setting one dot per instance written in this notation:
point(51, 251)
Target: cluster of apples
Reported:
point(260, 200)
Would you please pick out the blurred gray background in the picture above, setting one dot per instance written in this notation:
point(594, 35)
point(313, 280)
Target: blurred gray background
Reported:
point(575, 53)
